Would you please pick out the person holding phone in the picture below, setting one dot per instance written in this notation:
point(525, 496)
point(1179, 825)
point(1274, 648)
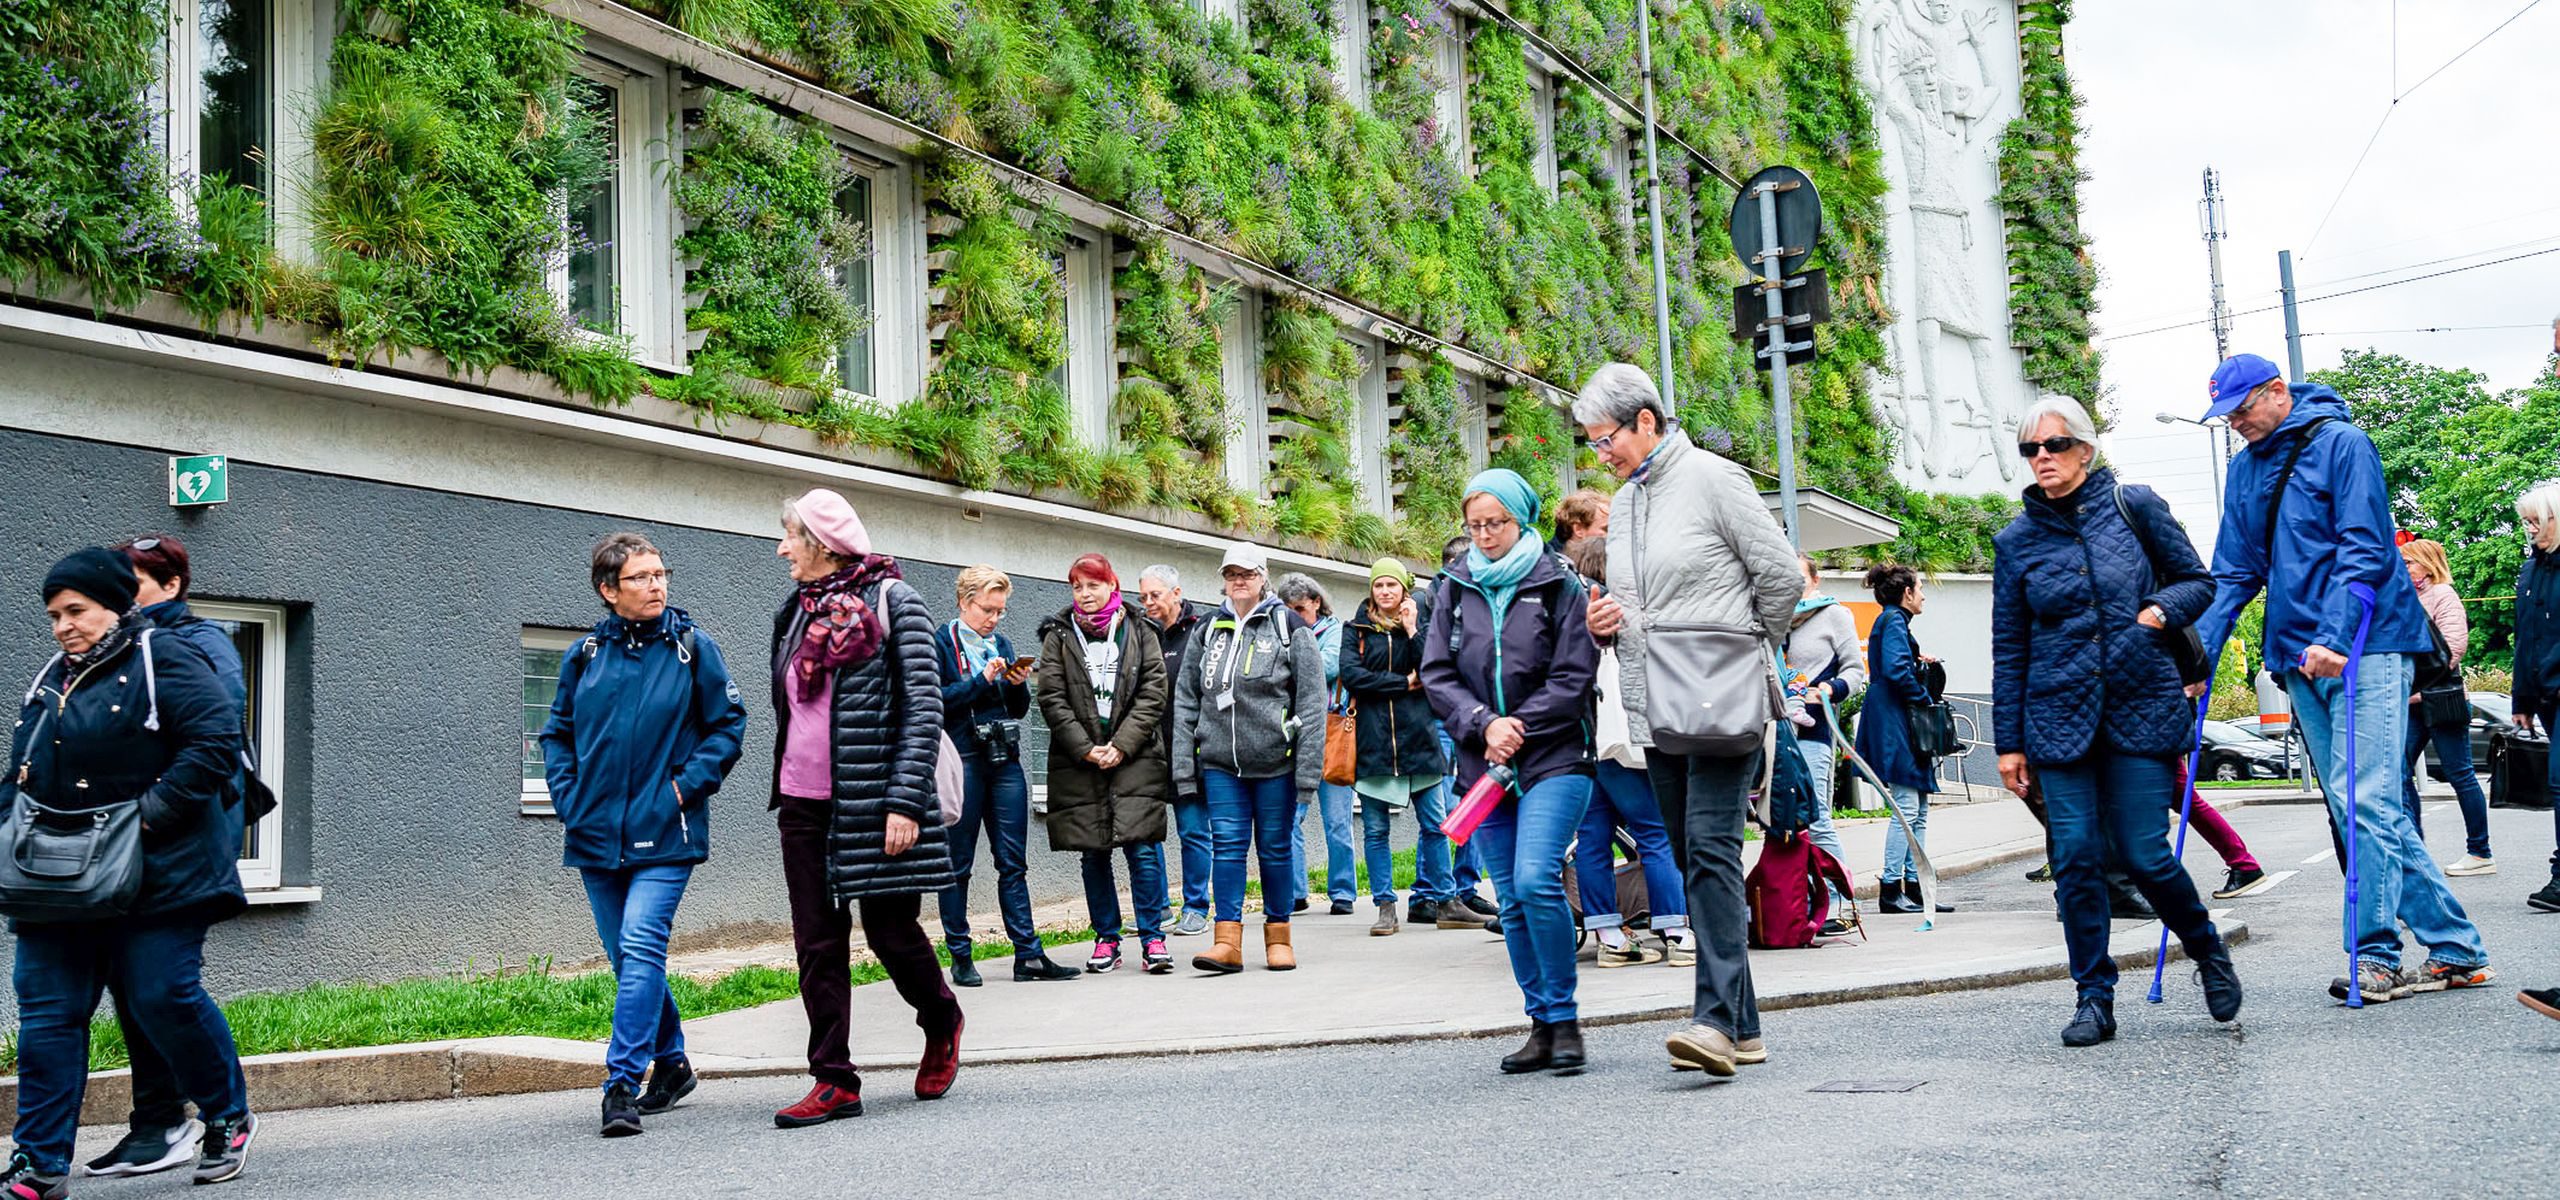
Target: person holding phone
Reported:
point(986, 692)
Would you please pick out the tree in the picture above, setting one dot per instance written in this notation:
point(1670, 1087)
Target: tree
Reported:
point(2404, 406)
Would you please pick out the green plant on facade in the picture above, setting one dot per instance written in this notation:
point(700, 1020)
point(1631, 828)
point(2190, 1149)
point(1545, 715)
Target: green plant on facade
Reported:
point(760, 193)
point(2053, 284)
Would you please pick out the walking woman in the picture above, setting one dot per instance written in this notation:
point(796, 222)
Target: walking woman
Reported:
point(858, 713)
point(644, 728)
point(1248, 731)
point(1307, 598)
point(2087, 584)
point(1884, 732)
point(1514, 692)
point(985, 693)
point(126, 715)
point(2536, 690)
point(1103, 693)
point(1622, 799)
point(2452, 737)
point(1399, 762)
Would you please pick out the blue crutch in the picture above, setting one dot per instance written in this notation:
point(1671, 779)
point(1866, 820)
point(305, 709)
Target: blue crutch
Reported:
point(2186, 808)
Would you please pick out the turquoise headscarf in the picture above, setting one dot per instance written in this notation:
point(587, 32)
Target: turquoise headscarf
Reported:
point(1499, 579)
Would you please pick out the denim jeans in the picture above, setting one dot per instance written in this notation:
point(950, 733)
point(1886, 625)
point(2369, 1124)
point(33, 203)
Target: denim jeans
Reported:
point(2108, 809)
point(1913, 804)
point(1466, 866)
point(1341, 853)
point(1191, 824)
point(1704, 799)
point(1622, 797)
point(1524, 841)
point(1822, 761)
point(998, 800)
point(2398, 880)
point(1431, 880)
point(2453, 752)
point(635, 911)
point(1146, 890)
point(158, 971)
point(1251, 814)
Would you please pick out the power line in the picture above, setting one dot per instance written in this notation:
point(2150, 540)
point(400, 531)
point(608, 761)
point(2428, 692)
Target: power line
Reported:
point(2371, 287)
point(2436, 261)
point(2424, 237)
point(2421, 329)
point(2530, 5)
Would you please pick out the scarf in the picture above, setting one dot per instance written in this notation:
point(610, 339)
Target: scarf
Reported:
point(843, 630)
point(1499, 579)
point(107, 647)
point(1097, 624)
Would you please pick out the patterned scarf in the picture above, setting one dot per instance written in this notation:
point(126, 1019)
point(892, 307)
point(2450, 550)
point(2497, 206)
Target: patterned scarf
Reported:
point(843, 631)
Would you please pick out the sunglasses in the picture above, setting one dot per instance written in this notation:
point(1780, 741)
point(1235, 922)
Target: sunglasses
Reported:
point(2052, 445)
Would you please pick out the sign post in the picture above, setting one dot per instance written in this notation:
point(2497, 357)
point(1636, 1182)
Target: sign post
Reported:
point(1776, 220)
point(199, 480)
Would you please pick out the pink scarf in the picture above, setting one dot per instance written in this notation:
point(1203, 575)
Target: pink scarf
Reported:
point(843, 631)
point(1098, 622)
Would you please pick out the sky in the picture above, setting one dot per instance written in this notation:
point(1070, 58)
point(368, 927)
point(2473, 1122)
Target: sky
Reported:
point(2281, 96)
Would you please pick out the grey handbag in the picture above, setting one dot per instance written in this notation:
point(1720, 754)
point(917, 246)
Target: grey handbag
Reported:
point(68, 865)
point(1709, 689)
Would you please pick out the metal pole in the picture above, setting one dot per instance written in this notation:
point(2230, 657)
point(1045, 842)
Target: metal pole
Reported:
point(2209, 216)
point(2292, 320)
point(1653, 206)
point(1772, 255)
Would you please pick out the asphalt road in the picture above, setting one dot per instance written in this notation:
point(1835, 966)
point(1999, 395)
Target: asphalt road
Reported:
point(2439, 1094)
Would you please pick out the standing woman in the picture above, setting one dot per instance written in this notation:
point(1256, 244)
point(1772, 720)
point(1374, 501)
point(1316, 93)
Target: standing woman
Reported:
point(2536, 690)
point(985, 694)
point(2086, 584)
point(1307, 598)
point(123, 716)
point(1884, 731)
point(1248, 731)
point(2452, 740)
point(1102, 691)
point(1399, 750)
point(1824, 661)
point(858, 713)
point(1515, 692)
point(644, 728)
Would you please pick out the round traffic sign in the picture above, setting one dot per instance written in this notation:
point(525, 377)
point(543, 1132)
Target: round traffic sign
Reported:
point(1799, 220)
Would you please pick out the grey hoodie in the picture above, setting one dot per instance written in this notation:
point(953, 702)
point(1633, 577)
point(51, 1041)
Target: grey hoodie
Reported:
point(1276, 724)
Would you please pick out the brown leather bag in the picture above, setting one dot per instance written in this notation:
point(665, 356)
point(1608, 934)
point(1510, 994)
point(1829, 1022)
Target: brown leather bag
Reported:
point(1342, 746)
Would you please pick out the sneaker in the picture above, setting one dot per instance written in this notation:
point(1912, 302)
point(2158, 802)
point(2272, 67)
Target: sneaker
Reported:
point(1040, 969)
point(1159, 961)
point(1341, 908)
point(2378, 984)
point(2240, 879)
point(1702, 1048)
point(1458, 914)
point(144, 1151)
point(2436, 975)
point(2220, 980)
point(621, 1111)
point(23, 1182)
point(2472, 864)
point(1482, 906)
point(1106, 955)
point(825, 1102)
point(1633, 953)
point(2548, 899)
point(669, 1082)
point(2542, 1000)
point(226, 1147)
point(2043, 874)
point(2091, 1023)
point(1192, 924)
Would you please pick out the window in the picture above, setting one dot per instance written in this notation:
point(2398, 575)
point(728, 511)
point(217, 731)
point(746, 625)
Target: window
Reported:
point(1230, 10)
point(1368, 430)
point(1248, 406)
point(257, 632)
point(232, 100)
point(1351, 50)
point(1542, 120)
point(1449, 62)
point(617, 274)
point(884, 360)
point(543, 649)
point(1473, 397)
point(1089, 373)
point(856, 368)
point(1622, 169)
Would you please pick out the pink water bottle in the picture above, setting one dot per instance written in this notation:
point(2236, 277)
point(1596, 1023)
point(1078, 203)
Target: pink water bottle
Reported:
point(1478, 803)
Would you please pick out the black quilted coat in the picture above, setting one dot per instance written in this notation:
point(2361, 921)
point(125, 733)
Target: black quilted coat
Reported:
point(887, 726)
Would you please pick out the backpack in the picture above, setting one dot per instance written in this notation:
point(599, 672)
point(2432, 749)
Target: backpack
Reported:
point(1785, 889)
point(950, 787)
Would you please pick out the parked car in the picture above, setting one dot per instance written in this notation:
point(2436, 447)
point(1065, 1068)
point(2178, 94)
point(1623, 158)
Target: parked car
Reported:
point(2232, 753)
point(2492, 718)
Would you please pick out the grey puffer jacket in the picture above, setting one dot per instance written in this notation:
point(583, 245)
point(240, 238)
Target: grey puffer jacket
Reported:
point(1276, 725)
point(1693, 545)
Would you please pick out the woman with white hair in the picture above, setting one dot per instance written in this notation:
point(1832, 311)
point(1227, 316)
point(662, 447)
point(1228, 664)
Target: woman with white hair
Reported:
point(2537, 675)
point(2088, 706)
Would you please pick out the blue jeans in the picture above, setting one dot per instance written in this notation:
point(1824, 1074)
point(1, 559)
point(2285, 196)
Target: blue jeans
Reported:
point(1622, 796)
point(2453, 751)
point(1822, 761)
point(2113, 809)
point(1191, 823)
point(998, 800)
point(1913, 804)
point(2398, 881)
point(1524, 842)
point(1466, 865)
point(1341, 854)
point(157, 972)
point(1251, 813)
point(1146, 890)
point(635, 911)
point(1430, 848)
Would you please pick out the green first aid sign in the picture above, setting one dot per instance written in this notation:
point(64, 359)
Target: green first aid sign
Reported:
point(197, 480)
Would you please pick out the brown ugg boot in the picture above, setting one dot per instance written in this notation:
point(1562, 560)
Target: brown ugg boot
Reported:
point(1276, 950)
point(1226, 957)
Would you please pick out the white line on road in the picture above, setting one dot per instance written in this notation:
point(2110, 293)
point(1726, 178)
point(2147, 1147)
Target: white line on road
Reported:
point(2323, 856)
point(2263, 885)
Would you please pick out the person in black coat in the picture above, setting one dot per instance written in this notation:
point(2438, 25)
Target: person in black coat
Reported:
point(1399, 758)
point(2536, 689)
point(858, 733)
point(127, 715)
point(2087, 584)
point(1104, 696)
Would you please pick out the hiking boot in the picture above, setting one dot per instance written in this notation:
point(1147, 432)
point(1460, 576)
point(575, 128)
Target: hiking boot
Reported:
point(2548, 899)
point(1386, 925)
point(1479, 905)
point(1679, 951)
point(1564, 1054)
point(1341, 908)
point(964, 972)
point(2093, 1022)
point(669, 1081)
point(1424, 912)
point(621, 1112)
point(2437, 975)
point(2542, 1000)
point(1159, 961)
point(1226, 957)
point(23, 1182)
point(226, 1148)
point(2472, 864)
point(825, 1102)
point(2043, 874)
point(1277, 953)
point(1192, 924)
point(1106, 955)
point(941, 1062)
point(2378, 984)
point(144, 1151)
point(2221, 982)
point(1702, 1048)
point(2238, 880)
point(1750, 1052)
point(1458, 914)
point(1633, 953)
point(1039, 969)
point(1536, 1054)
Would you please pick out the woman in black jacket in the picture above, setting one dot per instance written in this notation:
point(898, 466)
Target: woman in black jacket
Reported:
point(1399, 743)
point(1104, 695)
point(858, 729)
point(2087, 584)
point(2536, 690)
point(127, 715)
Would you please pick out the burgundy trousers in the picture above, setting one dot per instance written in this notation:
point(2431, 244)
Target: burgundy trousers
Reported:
point(822, 933)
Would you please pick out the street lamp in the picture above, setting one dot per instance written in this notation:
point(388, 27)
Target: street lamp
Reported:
point(2221, 432)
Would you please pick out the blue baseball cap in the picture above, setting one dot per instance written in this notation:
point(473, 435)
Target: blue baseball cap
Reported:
point(2238, 376)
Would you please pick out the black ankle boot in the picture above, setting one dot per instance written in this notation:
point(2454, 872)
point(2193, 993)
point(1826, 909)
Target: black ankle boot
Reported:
point(1537, 1053)
point(1566, 1057)
point(1891, 898)
point(2221, 982)
point(2092, 1023)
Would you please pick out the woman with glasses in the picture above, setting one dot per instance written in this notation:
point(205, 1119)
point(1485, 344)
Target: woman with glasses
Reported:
point(1103, 693)
point(2088, 583)
point(2536, 690)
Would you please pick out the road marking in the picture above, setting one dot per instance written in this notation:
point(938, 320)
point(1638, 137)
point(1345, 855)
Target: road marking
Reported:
point(2262, 885)
point(2323, 856)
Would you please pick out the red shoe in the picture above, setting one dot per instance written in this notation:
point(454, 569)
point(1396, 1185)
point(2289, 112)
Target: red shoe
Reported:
point(825, 1102)
point(941, 1062)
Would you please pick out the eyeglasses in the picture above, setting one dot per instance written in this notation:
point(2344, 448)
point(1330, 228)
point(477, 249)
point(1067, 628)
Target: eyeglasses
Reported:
point(1481, 528)
point(2249, 401)
point(645, 578)
point(1601, 443)
point(2053, 445)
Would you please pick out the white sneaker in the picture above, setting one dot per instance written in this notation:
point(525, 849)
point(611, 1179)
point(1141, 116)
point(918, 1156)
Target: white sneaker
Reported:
point(2471, 864)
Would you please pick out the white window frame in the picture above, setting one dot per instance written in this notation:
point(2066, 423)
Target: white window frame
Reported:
point(1231, 10)
point(1449, 60)
point(265, 872)
point(536, 798)
point(1248, 404)
point(1622, 163)
point(1368, 429)
point(1542, 122)
point(648, 285)
point(1474, 424)
point(1351, 50)
point(898, 349)
point(299, 33)
point(1092, 350)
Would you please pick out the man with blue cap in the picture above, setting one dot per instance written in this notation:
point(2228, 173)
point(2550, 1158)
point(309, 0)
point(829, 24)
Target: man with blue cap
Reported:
point(2307, 519)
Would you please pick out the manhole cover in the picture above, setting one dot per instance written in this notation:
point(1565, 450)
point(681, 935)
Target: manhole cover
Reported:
point(1872, 1085)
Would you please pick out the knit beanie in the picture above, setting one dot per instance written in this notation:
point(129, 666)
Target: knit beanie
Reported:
point(100, 574)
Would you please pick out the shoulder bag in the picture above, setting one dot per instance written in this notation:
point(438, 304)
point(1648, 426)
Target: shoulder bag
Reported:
point(1931, 721)
point(950, 785)
point(2184, 644)
point(70, 865)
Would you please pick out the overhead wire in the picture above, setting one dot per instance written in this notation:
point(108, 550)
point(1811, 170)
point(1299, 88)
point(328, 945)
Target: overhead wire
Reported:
point(2356, 291)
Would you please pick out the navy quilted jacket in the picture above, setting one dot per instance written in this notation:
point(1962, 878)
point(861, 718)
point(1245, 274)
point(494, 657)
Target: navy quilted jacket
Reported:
point(1894, 688)
point(2069, 660)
